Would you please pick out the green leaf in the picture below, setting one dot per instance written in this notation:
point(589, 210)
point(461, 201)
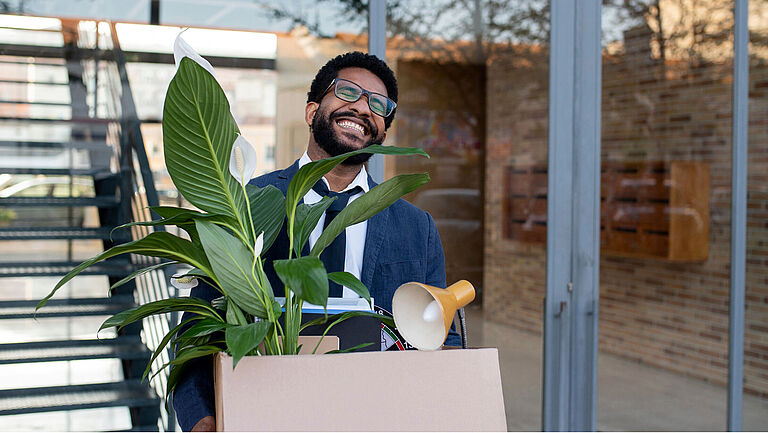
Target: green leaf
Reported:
point(180, 368)
point(310, 173)
point(182, 218)
point(306, 277)
point(198, 133)
point(191, 305)
point(168, 212)
point(235, 315)
point(141, 272)
point(241, 339)
point(369, 204)
point(193, 352)
point(196, 272)
point(307, 216)
point(177, 372)
point(351, 282)
point(267, 211)
point(156, 244)
point(186, 343)
point(203, 327)
point(164, 342)
point(232, 264)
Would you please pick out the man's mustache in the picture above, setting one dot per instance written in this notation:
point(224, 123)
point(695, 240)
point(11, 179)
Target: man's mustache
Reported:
point(368, 124)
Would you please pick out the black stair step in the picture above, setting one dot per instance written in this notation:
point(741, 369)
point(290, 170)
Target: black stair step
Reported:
point(33, 61)
point(55, 104)
point(56, 144)
point(104, 201)
point(66, 307)
point(125, 347)
point(35, 233)
point(54, 171)
point(130, 393)
point(78, 120)
point(23, 50)
point(38, 83)
point(52, 269)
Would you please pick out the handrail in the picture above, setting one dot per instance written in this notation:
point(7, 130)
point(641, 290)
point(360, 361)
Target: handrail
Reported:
point(137, 194)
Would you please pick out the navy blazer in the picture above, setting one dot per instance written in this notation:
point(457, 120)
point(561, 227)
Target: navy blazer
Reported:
point(401, 245)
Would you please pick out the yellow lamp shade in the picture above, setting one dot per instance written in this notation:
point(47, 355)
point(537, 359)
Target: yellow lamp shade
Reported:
point(424, 314)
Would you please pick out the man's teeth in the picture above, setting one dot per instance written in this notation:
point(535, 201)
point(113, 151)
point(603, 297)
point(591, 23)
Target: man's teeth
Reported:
point(352, 125)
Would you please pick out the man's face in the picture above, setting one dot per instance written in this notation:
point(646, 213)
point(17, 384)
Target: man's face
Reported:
point(339, 126)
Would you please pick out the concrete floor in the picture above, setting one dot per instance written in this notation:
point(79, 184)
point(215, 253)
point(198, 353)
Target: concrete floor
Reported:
point(631, 396)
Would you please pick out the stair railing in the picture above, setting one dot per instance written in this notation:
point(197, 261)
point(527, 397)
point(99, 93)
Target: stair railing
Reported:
point(137, 194)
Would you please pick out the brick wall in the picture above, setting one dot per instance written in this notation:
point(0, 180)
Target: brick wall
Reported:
point(671, 315)
point(517, 82)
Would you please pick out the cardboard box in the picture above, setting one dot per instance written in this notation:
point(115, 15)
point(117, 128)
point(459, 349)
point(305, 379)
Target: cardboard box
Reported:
point(448, 390)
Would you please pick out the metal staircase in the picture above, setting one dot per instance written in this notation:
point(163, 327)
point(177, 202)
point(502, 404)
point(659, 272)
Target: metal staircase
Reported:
point(47, 207)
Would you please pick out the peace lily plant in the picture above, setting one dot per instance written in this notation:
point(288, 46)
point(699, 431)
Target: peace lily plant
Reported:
point(210, 164)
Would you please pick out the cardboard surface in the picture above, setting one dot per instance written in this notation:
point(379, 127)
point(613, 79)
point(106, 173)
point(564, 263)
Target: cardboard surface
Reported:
point(448, 390)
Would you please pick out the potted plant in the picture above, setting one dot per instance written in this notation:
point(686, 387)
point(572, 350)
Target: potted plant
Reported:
point(210, 164)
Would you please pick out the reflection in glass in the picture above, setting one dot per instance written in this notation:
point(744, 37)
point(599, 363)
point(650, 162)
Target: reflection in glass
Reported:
point(665, 216)
point(473, 81)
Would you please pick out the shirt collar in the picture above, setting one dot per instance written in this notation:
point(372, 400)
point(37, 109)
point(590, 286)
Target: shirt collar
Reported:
point(360, 180)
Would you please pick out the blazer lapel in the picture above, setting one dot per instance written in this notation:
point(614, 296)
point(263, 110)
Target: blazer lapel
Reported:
point(284, 177)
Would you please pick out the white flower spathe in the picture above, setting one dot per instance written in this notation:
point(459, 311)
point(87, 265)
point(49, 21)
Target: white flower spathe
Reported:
point(182, 49)
point(182, 282)
point(242, 160)
point(259, 245)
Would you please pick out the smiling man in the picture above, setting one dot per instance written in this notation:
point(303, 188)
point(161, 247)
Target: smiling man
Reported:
point(350, 105)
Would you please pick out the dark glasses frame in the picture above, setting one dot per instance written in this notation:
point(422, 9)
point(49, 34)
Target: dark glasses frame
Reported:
point(391, 105)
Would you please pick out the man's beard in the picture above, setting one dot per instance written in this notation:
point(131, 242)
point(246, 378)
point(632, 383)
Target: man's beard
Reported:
point(326, 138)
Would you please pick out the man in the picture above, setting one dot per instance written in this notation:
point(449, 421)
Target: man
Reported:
point(350, 105)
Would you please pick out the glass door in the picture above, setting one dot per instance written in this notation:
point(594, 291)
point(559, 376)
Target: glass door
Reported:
point(473, 88)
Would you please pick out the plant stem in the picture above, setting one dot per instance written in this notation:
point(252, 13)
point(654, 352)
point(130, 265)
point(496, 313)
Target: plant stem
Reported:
point(275, 336)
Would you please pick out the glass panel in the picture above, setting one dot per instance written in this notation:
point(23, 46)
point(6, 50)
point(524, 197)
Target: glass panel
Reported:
point(131, 11)
point(251, 93)
point(473, 89)
point(665, 214)
point(756, 317)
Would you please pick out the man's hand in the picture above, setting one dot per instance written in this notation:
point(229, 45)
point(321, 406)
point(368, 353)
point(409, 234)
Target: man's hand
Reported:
point(206, 424)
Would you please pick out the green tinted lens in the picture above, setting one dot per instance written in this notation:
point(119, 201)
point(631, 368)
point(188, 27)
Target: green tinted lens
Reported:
point(379, 104)
point(348, 91)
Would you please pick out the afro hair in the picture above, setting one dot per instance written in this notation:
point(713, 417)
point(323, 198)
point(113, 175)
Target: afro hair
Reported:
point(354, 59)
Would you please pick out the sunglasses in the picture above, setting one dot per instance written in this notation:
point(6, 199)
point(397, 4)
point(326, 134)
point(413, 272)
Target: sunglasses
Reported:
point(350, 92)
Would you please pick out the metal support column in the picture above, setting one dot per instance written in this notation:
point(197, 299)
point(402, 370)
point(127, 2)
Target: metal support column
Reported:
point(573, 215)
point(377, 45)
point(738, 213)
point(154, 12)
point(559, 210)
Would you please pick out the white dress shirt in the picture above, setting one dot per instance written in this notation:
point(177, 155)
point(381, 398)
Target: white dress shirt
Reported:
point(353, 254)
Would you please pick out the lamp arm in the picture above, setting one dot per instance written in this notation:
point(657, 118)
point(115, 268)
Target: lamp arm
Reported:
point(463, 326)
